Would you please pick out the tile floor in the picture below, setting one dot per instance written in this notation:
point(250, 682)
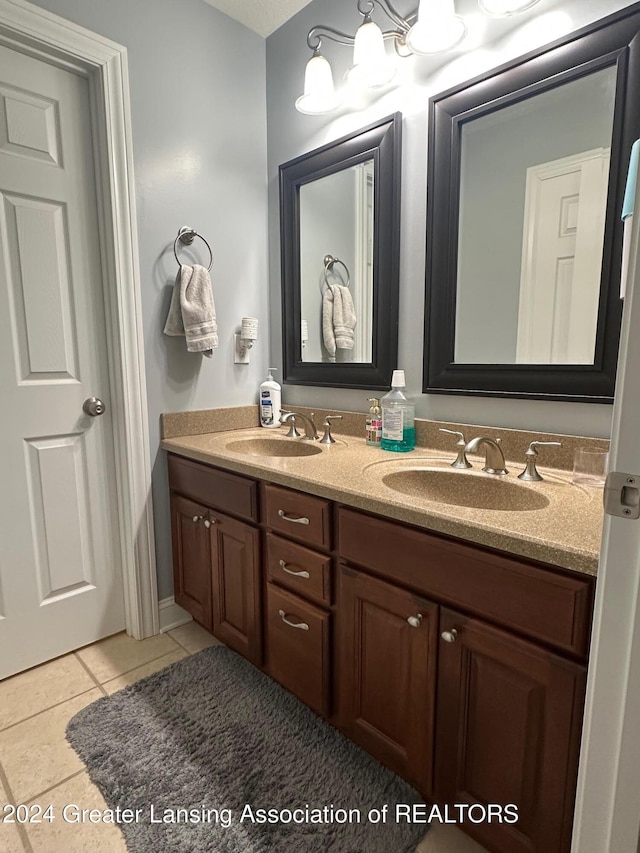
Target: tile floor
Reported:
point(37, 766)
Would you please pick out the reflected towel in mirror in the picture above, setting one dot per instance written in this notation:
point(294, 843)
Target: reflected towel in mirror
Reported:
point(338, 319)
point(192, 312)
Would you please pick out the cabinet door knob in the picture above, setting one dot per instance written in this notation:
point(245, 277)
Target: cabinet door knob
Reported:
point(207, 523)
point(284, 568)
point(196, 518)
point(301, 625)
point(283, 515)
point(449, 636)
point(415, 621)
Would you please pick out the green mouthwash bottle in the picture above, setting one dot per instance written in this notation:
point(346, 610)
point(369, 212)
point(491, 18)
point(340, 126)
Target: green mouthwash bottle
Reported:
point(398, 417)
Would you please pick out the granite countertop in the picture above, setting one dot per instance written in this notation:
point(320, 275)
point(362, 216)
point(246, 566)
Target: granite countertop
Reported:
point(564, 531)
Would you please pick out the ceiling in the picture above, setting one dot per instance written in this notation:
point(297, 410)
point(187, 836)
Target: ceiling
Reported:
point(262, 16)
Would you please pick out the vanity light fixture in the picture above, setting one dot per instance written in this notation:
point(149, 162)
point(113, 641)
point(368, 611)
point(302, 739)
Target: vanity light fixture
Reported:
point(433, 28)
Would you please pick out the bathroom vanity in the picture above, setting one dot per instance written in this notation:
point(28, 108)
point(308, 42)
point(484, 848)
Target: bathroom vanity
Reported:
point(459, 665)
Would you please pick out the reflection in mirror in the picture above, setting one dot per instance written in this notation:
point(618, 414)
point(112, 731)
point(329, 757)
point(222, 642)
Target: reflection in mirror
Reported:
point(336, 266)
point(528, 279)
point(526, 178)
point(340, 241)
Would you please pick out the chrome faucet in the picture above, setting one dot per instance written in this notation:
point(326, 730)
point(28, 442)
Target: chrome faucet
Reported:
point(530, 473)
point(327, 438)
point(494, 457)
point(290, 418)
point(310, 431)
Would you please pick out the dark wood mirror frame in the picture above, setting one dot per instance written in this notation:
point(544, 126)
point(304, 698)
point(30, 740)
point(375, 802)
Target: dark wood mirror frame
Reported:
point(612, 41)
point(380, 142)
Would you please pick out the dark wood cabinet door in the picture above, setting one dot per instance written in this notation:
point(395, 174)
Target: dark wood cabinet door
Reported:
point(507, 731)
point(297, 653)
point(191, 558)
point(387, 666)
point(236, 585)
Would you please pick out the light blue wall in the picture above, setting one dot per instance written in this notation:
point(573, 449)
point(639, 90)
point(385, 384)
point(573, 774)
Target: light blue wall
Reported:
point(197, 83)
point(290, 134)
point(201, 119)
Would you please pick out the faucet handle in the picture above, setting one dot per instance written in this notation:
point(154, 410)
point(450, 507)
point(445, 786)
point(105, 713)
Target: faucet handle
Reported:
point(290, 418)
point(461, 460)
point(327, 438)
point(530, 473)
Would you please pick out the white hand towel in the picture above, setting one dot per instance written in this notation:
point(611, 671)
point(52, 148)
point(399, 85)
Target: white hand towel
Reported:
point(338, 319)
point(192, 312)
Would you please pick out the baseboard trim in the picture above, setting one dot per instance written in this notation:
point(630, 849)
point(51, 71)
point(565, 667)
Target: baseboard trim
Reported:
point(171, 615)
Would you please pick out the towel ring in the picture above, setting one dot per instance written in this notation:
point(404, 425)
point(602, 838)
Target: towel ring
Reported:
point(329, 261)
point(186, 236)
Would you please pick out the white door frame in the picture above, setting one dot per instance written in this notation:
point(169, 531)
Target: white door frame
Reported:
point(41, 34)
point(607, 816)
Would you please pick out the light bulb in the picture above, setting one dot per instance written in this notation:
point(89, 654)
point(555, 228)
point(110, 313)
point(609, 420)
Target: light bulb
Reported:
point(437, 28)
point(371, 65)
point(319, 93)
point(503, 8)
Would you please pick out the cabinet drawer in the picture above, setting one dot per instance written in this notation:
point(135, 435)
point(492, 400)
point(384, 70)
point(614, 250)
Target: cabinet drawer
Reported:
point(541, 603)
point(298, 647)
point(298, 568)
point(298, 515)
point(232, 493)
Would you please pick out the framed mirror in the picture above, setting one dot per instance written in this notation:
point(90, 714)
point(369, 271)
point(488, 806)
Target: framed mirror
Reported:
point(339, 236)
point(526, 179)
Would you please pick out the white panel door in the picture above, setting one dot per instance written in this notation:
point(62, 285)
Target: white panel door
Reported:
point(563, 238)
point(60, 580)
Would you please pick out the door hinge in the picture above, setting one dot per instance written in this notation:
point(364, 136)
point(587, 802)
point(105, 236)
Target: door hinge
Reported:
point(622, 495)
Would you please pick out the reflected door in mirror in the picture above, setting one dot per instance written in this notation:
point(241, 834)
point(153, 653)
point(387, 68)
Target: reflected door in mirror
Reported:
point(533, 193)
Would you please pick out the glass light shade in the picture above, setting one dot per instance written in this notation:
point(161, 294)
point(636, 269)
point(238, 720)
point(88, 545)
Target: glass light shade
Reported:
point(438, 28)
point(371, 65)
point(319, 93)
point(503, 8)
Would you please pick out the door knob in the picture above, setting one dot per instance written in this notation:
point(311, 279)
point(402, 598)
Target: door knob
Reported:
point(449, 636)
point(93, 407)
point(415, 621)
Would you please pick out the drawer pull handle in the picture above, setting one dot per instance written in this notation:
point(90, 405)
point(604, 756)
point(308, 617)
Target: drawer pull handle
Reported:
point(301, 625)
point(284, 568)
point(283, 515)
point(415, 621)
point(449, 636)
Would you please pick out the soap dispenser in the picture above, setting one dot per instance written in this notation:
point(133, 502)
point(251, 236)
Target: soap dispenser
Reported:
point(270, 402)
point(374, 422)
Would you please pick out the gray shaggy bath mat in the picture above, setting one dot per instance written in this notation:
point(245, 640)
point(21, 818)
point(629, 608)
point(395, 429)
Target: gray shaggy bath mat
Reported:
point(200, 752)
